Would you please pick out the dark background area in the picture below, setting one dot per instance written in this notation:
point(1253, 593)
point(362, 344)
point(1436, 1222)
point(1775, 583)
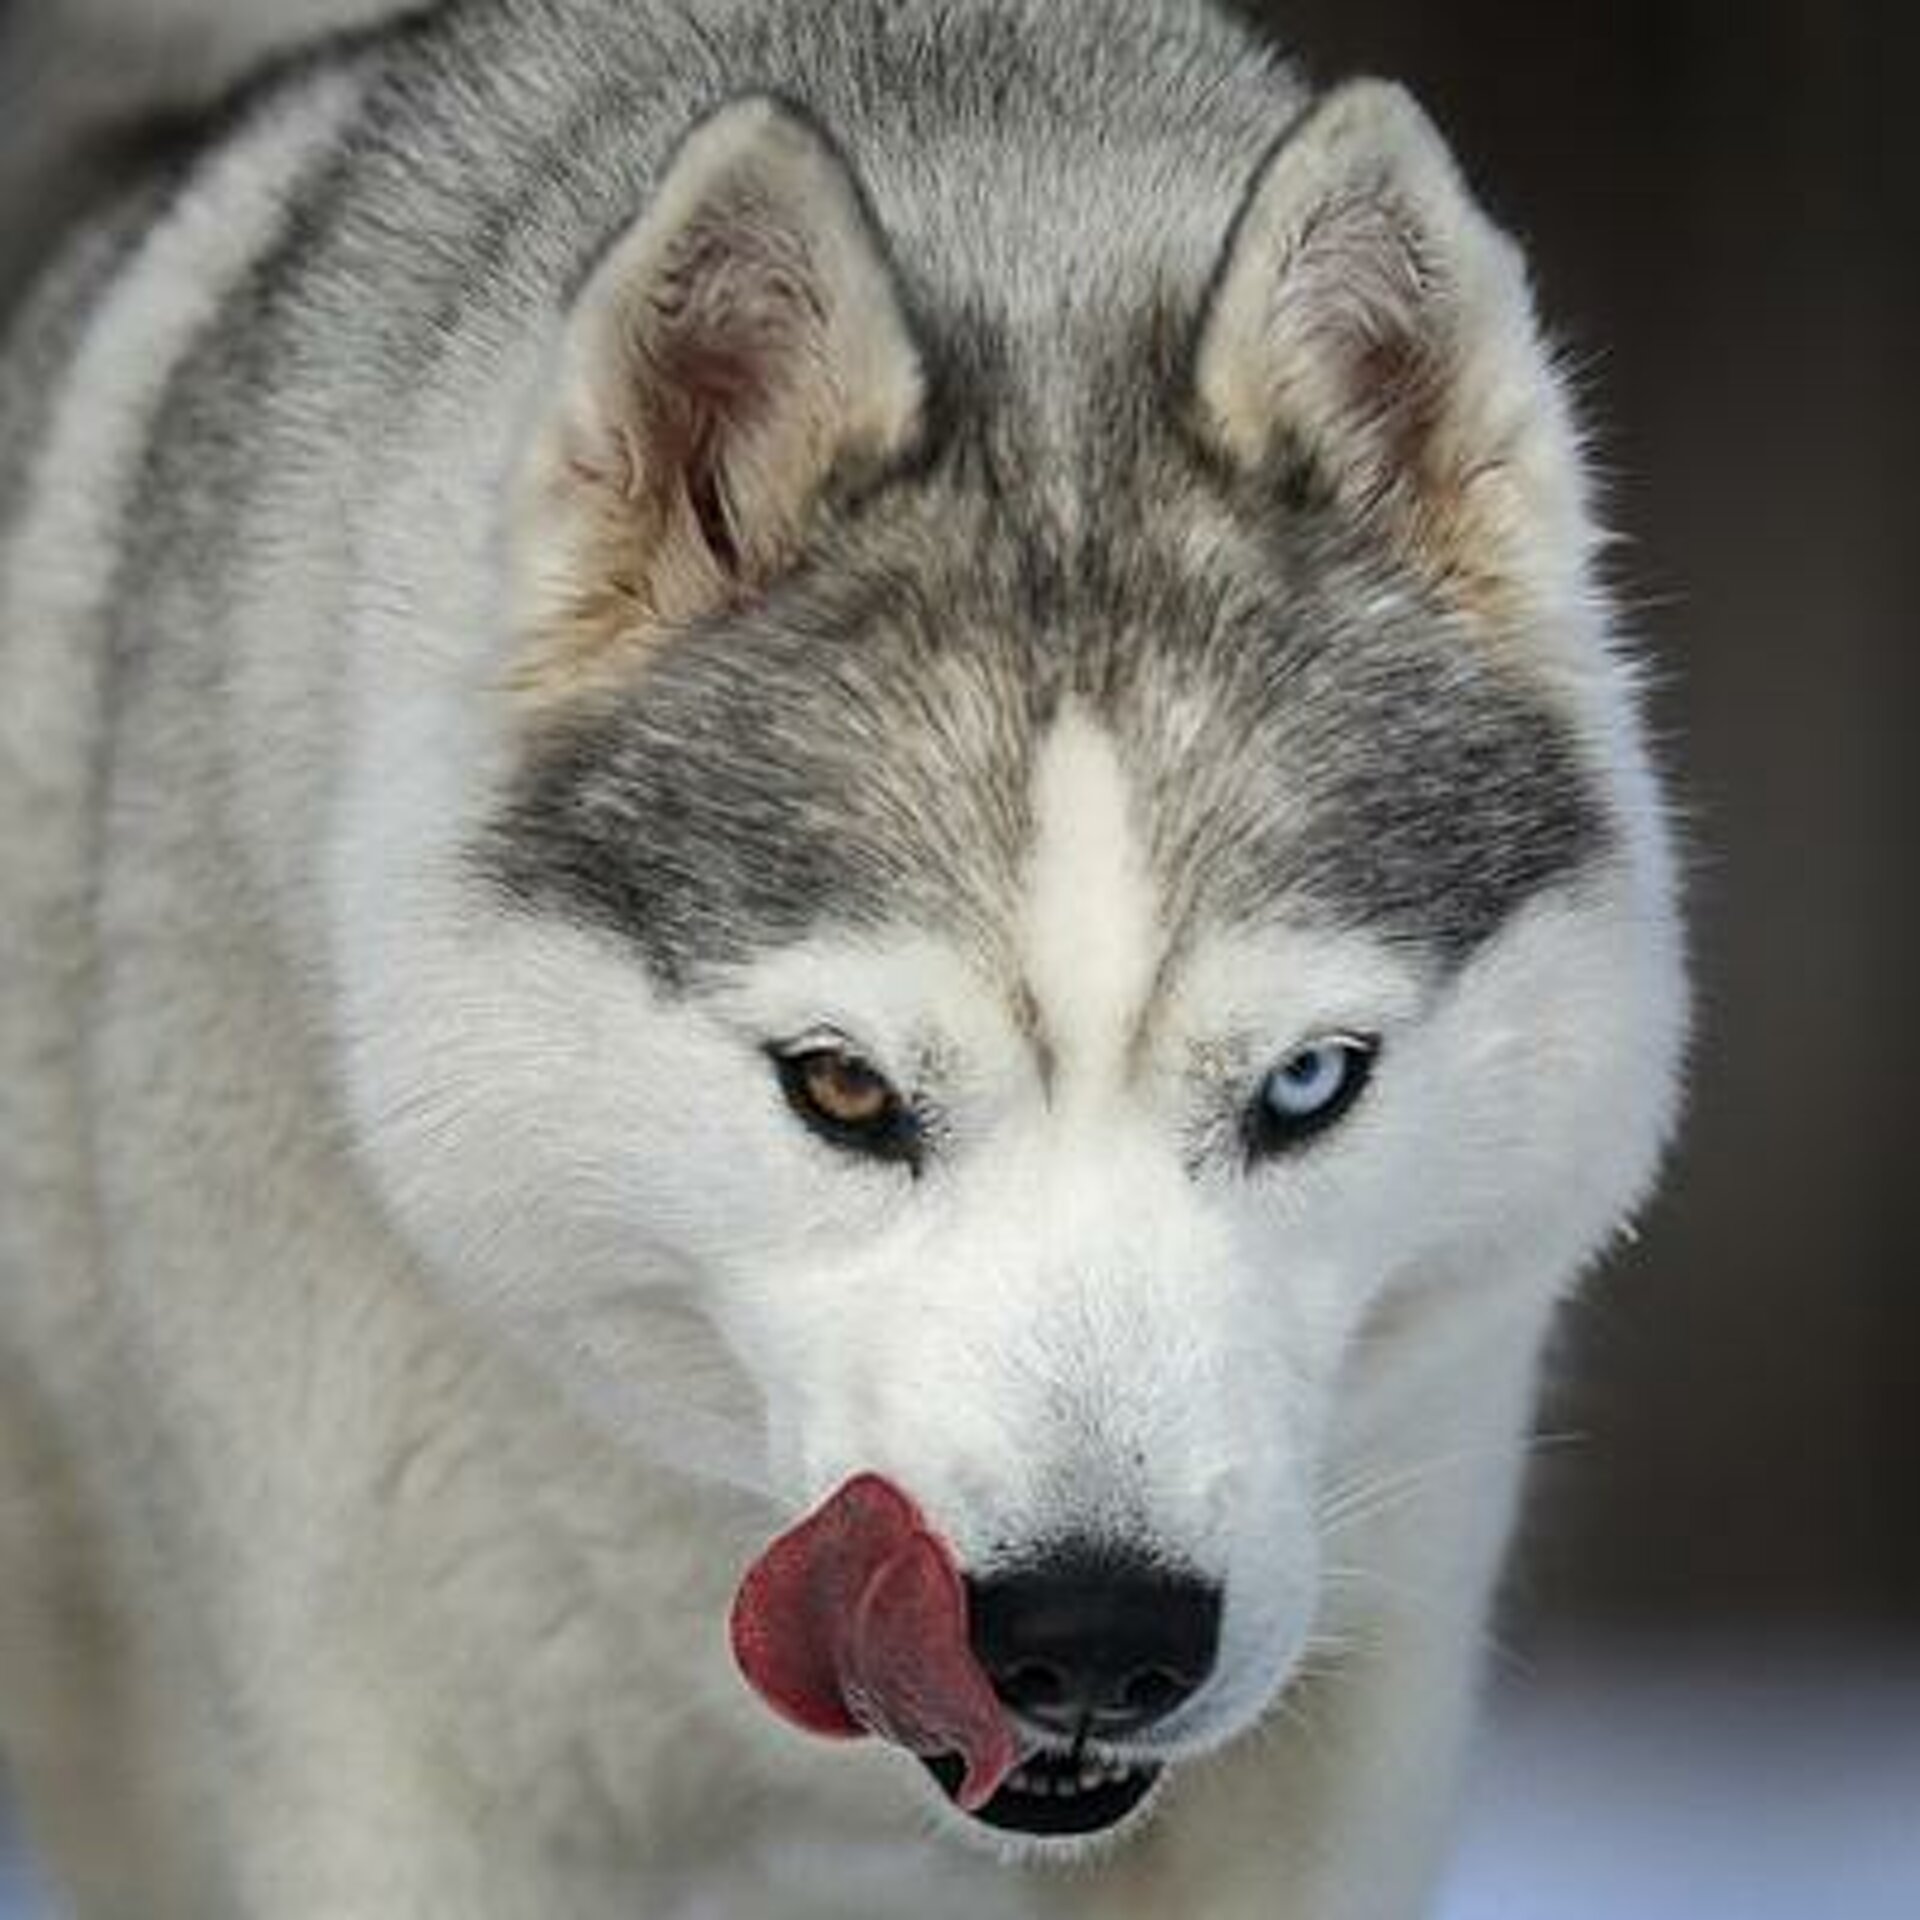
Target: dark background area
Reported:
point(1723, 208)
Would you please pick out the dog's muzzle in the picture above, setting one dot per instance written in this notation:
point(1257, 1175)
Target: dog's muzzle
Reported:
point(1025, 1693)
point(1094, 1649)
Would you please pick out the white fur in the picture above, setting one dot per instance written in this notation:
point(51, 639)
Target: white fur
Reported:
point(1091, 939)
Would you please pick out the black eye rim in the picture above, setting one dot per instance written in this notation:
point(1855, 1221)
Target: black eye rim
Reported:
point(894, 1134)
point(1268, 1134)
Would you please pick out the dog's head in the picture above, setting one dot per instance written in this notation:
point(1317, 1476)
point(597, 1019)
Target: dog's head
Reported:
point(1057, 867)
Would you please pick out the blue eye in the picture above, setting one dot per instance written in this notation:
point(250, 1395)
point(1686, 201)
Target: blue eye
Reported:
point(1307, 1092)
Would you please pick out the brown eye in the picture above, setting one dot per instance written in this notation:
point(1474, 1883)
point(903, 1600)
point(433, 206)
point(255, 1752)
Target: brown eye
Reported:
point(848, 1102)
point(844, 1090)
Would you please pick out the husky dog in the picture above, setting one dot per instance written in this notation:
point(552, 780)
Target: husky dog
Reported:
point(748, 743)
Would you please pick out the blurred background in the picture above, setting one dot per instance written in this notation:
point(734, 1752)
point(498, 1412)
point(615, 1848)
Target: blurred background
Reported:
point(1710, 1669)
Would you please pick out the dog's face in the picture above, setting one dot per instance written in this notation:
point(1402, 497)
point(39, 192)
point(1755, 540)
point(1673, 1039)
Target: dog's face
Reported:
point(1039, 963)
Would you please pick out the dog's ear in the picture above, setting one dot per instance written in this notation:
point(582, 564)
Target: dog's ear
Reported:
point(743, 341)
point(1371, 334)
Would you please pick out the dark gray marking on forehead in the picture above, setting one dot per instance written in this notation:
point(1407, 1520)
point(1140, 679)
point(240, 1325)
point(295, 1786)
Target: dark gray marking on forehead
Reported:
point(1364, 763)
point(836, 759)
point(1307, 735)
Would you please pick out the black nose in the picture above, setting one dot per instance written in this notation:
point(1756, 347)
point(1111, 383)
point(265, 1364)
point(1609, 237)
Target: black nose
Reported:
point(1090, 1641)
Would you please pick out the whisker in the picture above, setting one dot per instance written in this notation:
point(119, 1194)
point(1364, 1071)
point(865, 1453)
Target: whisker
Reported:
point(1429, 1607)
point(1365, 1494)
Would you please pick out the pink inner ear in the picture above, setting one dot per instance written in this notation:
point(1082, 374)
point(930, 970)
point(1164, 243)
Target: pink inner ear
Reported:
point(855, 1621)
point(724, 344)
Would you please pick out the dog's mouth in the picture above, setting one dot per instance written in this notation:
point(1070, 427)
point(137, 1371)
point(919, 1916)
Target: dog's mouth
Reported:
point(855, 1622)
point(1055, 1795)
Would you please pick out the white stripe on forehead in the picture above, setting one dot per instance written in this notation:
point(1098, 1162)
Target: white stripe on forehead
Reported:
point(1090, 934)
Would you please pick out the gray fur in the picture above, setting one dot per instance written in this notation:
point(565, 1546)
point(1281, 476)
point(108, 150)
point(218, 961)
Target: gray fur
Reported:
point(861, 747)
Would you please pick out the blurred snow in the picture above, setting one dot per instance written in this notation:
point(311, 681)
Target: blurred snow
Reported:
point(1778, 1786)
point(16, 1896)
point(1664, 1787)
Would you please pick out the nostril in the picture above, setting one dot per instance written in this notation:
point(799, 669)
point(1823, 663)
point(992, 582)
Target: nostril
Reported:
point(1032, 1684)
point(1152, 1694)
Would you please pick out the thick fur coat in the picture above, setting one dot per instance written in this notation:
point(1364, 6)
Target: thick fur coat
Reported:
point(568, 554)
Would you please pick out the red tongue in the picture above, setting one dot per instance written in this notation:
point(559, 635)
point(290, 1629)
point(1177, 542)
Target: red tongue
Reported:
point(855, 1621)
